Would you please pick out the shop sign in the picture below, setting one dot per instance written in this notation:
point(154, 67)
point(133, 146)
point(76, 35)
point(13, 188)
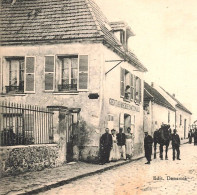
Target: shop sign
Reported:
point(123, 105)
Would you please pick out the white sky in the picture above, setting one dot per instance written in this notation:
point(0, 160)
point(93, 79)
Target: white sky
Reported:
point(165, 42)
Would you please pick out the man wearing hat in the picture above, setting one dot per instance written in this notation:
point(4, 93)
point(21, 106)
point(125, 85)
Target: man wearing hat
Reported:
point(175, 144)
point(148, 141)
point(105, 146)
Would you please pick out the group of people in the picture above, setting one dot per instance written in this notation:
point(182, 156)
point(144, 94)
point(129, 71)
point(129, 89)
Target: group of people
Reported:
point(148, 141)
point(192, 134)
point(115, 146)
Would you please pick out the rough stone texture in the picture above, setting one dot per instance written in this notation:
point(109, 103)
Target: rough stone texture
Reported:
point(89, 154)
point(20, 159)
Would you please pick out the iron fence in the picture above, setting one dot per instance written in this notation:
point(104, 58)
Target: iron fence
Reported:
point(25, 124)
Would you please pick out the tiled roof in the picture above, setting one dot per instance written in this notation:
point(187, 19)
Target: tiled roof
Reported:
point(179, 104)
point(158, 98)
point(52, 21)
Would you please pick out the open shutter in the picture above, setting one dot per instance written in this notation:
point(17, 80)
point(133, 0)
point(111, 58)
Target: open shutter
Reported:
point(132, 87)
point(122, 87)
point(49, 73)
point(140, 91)
point(30, 74)
point(134, 83)
point(83, 76)
point(1, 75)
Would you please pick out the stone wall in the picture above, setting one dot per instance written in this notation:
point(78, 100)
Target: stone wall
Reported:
point(20, 159)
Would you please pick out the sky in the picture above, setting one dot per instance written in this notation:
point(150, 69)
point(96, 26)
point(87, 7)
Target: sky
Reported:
point(165, 42)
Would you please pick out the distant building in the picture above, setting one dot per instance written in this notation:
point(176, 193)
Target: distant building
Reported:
point(157, 110)
point(182, 114)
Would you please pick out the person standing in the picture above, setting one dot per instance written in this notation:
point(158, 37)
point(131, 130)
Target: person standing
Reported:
point(129, 143)
point(148, 141)
point(114, 153)
point(176, 144)
point(121, 141)
point(105, 146)
point(190, 135)
point(195, 136)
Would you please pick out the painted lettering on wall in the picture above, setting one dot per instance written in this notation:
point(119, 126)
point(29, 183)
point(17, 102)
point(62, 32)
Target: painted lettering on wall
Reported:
point(123, 105)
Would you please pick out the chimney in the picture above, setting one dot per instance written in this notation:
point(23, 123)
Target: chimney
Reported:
point(152, 84)
point(173, 95)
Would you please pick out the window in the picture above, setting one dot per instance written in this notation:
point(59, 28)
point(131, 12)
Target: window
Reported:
point(73, 73)
point(180, 119)
point(130, 86)
point(20, 74)
point(1, 74)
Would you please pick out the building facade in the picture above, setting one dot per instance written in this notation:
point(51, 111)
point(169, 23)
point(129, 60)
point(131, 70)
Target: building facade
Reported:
point(157, 110)
point(66, 56)
point(182, 114)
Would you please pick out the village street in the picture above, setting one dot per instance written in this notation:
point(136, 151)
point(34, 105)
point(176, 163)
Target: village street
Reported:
point(138, 178)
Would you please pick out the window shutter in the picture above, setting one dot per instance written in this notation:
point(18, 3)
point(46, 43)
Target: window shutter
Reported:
point(140, 91)
point(132, 87)
point(122, 88)
point(49, 73)
point(83, 73)
point(29, 74)
point(1, 79)
point(134, 82)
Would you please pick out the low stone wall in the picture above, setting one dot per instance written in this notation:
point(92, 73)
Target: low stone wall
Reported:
point(20, 159)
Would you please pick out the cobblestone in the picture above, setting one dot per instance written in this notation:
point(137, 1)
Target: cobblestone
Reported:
point(137, 178)
point(122, 179)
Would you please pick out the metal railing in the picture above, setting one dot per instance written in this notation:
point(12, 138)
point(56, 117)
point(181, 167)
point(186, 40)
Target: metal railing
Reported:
point(67, 87)
point(25, 124)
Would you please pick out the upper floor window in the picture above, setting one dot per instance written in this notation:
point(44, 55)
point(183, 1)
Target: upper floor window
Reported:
point(19, 73)
point(66, 73)
point(130, 86)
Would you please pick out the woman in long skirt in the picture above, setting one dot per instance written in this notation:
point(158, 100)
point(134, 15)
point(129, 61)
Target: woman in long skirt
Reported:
point(129, 143)
point(114, 153)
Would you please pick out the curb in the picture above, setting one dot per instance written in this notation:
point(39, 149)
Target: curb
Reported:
point(67, 181)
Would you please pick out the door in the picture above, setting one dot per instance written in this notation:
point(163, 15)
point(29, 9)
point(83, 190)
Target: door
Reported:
point(127, 122)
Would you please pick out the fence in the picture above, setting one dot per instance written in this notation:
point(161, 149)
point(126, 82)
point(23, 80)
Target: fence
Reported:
point(25, 124)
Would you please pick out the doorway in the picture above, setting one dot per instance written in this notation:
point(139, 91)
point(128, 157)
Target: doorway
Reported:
point(127, 122)
point(185, 128)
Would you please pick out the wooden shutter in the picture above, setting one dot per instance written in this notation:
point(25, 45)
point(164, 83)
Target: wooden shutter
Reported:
point(132, 87)
point(1, 75)
point(122, 79)
point(134, 83)
point(83, 76)
point(140, 91)
point(30, 74)
point(49, 73)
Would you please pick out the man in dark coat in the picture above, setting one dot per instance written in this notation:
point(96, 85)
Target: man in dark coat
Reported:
point(121, 139)
point(190, 135)
point(176, 144)
point(105, 146)
point(195, 136)
point(148, 141)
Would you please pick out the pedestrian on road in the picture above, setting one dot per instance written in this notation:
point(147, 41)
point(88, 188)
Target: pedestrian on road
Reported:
point(105, 146)
point(148, 142)
point(121, 141)
point(114, 153)
point(176, 144)
point(195, 136)
point(129, 143)
point(190, 135)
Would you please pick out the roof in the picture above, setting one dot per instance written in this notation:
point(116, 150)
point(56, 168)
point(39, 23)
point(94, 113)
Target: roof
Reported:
point(41, 21)
point(179, 104)
point(157, 97)
point(119, 25)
